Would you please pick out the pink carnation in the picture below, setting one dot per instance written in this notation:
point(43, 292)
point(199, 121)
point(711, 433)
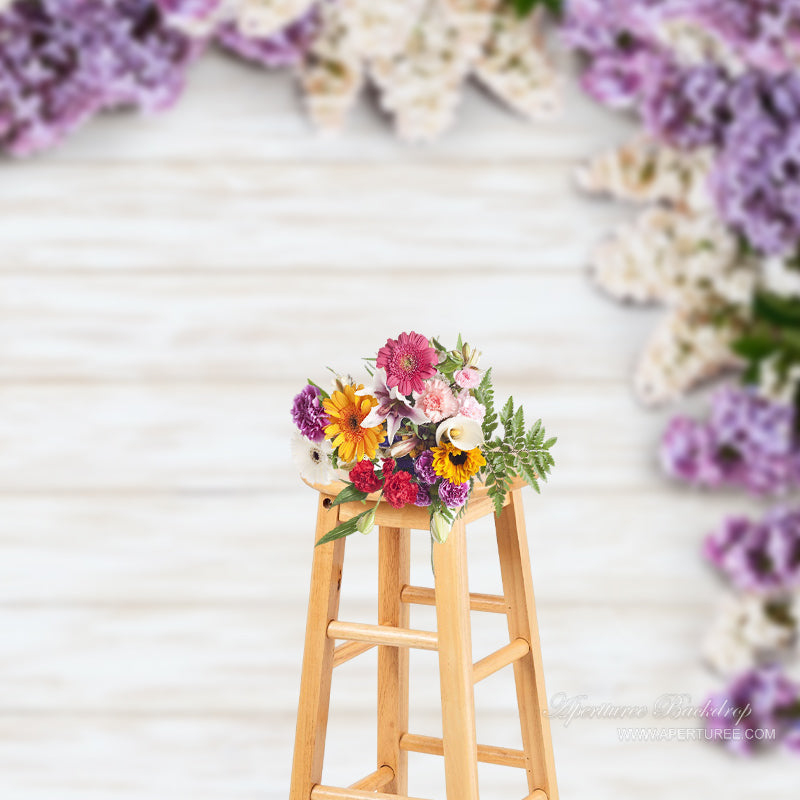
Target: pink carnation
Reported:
point(468, 378)
point(437, 400)
point(470, 408)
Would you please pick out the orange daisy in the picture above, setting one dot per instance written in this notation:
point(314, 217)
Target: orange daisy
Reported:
point(347, 411)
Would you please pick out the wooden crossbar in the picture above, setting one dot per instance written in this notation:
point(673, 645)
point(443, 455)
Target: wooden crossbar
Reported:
point(344, 652)
point(375, 781)
point(422, 596)
point(504, 756)
point(500, 658)
point(383, 634)
point(537, 795)
point(334, 793)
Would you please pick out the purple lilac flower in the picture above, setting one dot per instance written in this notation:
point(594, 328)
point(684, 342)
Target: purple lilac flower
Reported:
point(453, 495)
point(423, 466)
point(756, 180)
point(423, 497)
point(771, 701)
point(62, 61)
point(748, 441)
point(791, 741)
point(764, 33)
point(688, 108)
point(621, 59)
point(758, 556)
point(284, 48)
point(187, 12)
point(308, 413)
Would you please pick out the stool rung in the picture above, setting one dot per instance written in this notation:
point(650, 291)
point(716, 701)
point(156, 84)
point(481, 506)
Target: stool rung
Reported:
point(383, 634)
point(375, 781)
point(504, 756)
point(539, 794)
point(500, 658)
point(344, 652)
point(422, 596)
point(333, 793)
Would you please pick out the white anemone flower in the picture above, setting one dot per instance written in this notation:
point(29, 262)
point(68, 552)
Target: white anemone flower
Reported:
point(462, 432)
point(313, 459)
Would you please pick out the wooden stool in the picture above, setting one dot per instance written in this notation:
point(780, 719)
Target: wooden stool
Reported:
point(452, 641)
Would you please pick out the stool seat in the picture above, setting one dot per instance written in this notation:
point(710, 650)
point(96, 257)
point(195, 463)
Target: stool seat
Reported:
point(393, 637)
point(413, 517)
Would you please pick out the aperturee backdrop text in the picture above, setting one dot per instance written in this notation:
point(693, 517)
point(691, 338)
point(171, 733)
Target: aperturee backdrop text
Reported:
point(422, 435)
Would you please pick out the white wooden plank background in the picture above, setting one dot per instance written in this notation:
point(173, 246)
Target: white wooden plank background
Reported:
point(166, 285)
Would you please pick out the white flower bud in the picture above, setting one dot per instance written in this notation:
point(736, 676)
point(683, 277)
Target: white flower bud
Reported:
point(366, 523)
point(440, 528)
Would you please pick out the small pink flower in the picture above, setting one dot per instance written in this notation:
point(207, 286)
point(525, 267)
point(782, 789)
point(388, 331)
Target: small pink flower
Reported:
point(470, 408)
point(468, 378)
point(437, 400)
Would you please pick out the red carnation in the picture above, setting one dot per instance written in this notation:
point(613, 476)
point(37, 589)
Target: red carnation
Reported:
point(364, 478)
point(387, 468)
point(399, 490)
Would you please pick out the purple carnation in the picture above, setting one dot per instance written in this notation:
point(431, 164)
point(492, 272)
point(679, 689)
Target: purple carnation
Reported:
point(763, 699)
point(308, 413)
point(758, 556)
point(453, 495)
point(64, 60)
point(748, 441)
point(281, 49)
point(423, 497)
point(423, 466)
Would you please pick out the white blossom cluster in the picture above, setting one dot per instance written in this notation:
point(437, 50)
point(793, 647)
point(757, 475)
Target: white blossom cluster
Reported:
point(746, 633)
point(685, 349)
point(253, 17)
point(418, 53)
point(644, 171)
point(694, 44)
point(676, 252)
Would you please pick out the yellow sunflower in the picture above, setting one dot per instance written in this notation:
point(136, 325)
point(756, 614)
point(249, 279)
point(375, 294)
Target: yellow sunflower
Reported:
point(457, 466)
point(346, 411)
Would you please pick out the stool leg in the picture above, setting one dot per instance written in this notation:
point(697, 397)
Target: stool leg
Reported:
point(393, 574)
point(455, 666)
point(515, 565)
point(315, 683)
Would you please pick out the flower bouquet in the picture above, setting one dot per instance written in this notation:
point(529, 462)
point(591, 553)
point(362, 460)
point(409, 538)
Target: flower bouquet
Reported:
point(423, 435)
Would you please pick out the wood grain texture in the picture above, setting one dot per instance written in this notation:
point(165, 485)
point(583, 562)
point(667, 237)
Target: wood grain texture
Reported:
point(131, 328)
point(166, 284)
point(166, 216)
point(453, 623)
point(394, 572)
point(529, 674)
point(317, 673)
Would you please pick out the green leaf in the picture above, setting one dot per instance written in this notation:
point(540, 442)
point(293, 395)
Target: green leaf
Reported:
point(525, 7)
point(322, 392)
point(776, 309)
point(750, 374)
point(754, 346)
point(345, 529)
point(348, 495)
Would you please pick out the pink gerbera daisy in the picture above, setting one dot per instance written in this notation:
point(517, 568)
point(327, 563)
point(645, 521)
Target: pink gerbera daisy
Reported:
point(408, 360)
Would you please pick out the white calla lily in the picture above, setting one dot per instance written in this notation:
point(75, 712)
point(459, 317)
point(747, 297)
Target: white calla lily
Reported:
point(462, 432)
